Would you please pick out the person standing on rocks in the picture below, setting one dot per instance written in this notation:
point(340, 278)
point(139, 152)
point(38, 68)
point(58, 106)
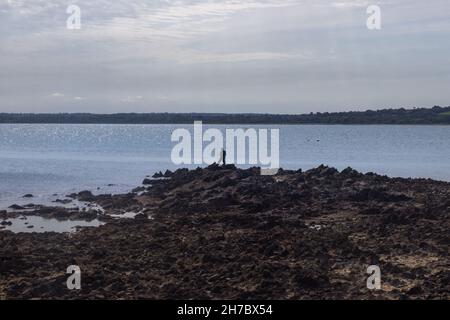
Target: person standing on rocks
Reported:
point(223, 157)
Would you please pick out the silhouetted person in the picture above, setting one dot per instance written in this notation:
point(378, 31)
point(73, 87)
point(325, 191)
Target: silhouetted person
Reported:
point(223, 157)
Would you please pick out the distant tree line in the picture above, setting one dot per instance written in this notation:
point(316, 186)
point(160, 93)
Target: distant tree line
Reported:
point(435, 115)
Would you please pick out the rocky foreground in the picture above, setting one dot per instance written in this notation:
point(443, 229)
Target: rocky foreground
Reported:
point(226, 233)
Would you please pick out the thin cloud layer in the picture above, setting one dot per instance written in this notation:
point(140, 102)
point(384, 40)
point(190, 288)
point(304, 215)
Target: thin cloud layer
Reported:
point(289, 56)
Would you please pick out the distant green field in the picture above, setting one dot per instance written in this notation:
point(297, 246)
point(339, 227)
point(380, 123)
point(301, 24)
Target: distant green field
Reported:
point(446, 114)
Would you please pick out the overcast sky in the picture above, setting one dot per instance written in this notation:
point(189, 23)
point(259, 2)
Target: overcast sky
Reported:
point(277, 56)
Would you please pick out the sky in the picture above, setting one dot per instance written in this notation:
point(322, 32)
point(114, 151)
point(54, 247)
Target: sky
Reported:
point(262, 56)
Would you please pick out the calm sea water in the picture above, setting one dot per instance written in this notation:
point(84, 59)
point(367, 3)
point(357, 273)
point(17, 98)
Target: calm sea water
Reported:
point(50, 161)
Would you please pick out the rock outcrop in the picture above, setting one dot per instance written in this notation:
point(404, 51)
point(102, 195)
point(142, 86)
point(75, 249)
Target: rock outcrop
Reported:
point(227, 233)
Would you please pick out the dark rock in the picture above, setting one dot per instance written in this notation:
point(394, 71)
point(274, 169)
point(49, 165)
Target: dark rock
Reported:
point(16, 207)
point(63, 201)
point(147, 181)
point(85, 195)
point(158, 175)
point(371, 211)
point(415, 291)
point(141, 216)
point(350, 172)
point(327, 171)
point(227, 233)
point(168, 174)
point(138, 189)
point(309, 280)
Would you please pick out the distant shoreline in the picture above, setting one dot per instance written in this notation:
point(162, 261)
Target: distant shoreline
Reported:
point(419, 116)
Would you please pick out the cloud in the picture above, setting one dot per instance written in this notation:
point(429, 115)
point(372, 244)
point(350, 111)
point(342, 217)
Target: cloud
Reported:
point(132, 99)
point(188, 55)
point(57, 95)
point(352, 3)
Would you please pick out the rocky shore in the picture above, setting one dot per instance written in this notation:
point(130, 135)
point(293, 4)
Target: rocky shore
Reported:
point(228, 233)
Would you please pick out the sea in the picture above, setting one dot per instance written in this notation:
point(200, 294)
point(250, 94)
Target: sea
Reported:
point(51, 161)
